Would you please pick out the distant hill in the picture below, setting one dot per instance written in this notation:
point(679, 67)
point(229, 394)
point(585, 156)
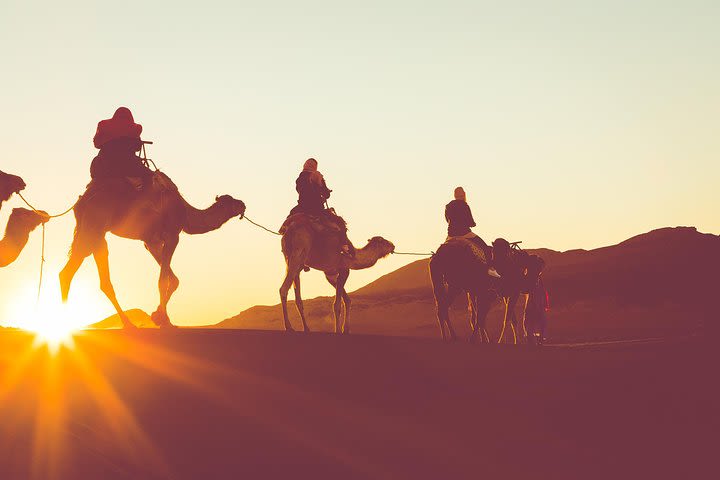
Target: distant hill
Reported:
point(137, 316)
point(659, 283)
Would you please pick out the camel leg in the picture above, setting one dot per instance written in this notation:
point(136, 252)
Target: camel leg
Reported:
point(294, 266)
point(168, 282)
point(101, 260)
point(512, 301)
point(84, 243)
point(482, 305)
point(506, 301)
point(346, 302)
point(451, 294)
point(472, 307)
point(337, 304)
point(299, 303)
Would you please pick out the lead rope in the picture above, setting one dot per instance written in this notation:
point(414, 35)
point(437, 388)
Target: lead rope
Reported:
point(42, 248)
point(280, 235)
point(260, 226)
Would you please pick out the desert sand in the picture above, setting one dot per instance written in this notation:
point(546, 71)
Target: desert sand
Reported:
point(215, 404)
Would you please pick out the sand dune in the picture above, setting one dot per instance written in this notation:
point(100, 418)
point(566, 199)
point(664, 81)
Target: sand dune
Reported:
point(658, 283)
point(217, 404)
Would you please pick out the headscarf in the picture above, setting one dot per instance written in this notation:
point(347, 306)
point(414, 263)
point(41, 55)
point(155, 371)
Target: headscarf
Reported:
point(460, 194)
point(311, 165)
point(123, 114)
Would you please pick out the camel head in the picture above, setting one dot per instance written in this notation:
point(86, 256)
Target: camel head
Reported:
point(232, 207)
point(10, 184)
point(382, 246)
point(24, 221)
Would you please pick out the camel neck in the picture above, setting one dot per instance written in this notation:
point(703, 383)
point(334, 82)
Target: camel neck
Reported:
point(12, 243)
point(364, 258)
point(199, 221)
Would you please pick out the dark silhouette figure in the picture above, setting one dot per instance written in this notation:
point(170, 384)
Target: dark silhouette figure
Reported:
point(510, 263)
point(313, 194)
point(536, 303)
point(460, 221)
point(21, 222)
point(460, 266)
point(118, 139)
point(155, 215)
point(9, 184)
point(305, 243)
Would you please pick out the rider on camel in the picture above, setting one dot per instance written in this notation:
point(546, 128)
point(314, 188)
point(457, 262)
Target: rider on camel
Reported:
point(312, 200)
point(460, 221)
point(118, 139)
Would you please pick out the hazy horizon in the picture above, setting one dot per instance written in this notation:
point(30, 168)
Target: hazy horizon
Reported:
point(595, 122)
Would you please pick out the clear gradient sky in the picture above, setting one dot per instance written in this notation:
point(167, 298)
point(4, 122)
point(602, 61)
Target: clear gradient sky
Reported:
point(571, 124)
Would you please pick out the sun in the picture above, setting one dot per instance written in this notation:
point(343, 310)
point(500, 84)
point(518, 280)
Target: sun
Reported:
point(54, 323)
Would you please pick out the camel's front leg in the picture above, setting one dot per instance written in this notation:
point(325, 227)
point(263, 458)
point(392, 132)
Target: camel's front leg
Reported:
point(103, 267)
point(299, 303)
point(506, 301)
point(337, 304)
point(347, 302)
point(168, 282)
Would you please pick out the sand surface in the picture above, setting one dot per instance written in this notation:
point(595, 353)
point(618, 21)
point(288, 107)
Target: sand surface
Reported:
point(212, 404)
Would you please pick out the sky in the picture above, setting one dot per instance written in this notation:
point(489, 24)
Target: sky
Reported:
point(570, 124)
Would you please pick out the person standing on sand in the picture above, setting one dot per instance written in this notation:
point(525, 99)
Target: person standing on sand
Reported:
point(460, 221)
point(537, 303)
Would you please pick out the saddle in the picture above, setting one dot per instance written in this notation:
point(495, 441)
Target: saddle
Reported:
point(328, 222)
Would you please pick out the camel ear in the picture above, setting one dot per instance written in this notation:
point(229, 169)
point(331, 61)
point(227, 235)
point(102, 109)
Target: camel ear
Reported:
point(217, 198)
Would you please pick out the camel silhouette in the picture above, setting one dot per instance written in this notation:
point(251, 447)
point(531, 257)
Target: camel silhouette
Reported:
point(155, 216)
point(511, 264)
point(305, 244)
point(21, 222)
point(460, 266)
point(9, 184)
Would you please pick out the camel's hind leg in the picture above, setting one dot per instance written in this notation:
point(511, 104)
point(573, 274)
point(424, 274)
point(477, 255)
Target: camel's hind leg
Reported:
point(440, 291)
point(337, 304)
point(103, 267)
point(168, 282)
point(483, 302)
point(295, 264)
point(299, 302)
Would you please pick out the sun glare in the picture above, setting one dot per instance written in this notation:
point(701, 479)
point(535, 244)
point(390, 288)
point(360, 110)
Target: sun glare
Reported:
point(53, 322)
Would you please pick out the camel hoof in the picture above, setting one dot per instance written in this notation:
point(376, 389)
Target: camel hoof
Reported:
point(306, 330)
point(168, 326)
point(129, 327)
point(289, 329)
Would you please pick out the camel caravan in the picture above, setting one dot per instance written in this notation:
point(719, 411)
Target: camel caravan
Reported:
point(129, 199)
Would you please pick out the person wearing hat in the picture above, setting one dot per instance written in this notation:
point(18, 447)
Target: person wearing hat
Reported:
point(118, 139)
point(312, 190)
point(460, 221)
point(313, 194)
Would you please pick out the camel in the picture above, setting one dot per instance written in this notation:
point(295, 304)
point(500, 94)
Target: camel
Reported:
point(9, 184)
point(511, 263)
point(21, 222)
point(460, 266)
point(305, 246)
point(155, 216)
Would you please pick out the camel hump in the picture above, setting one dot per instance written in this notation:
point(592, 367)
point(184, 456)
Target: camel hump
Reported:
point(324, 224)
point(161, 182)
point(466, 245)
